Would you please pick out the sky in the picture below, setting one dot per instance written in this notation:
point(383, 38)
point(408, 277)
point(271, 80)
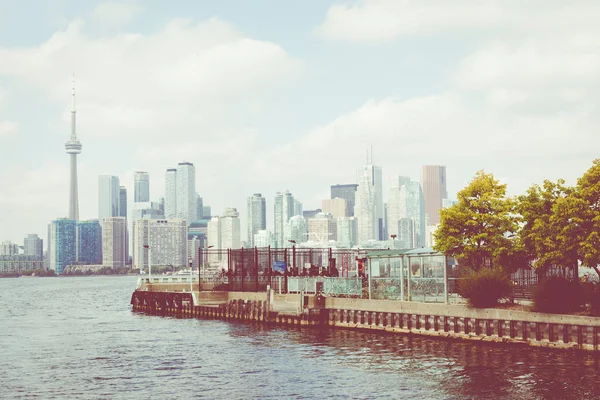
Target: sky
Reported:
point(268, 95)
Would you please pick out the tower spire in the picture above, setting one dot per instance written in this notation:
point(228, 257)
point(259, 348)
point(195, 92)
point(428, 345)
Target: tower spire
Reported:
point(73, 131)
point(73, 147)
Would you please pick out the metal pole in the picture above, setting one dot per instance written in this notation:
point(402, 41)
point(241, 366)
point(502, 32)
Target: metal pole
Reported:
point(401, 258)
point(369, 279)
point(446, 279)
point(191, 275)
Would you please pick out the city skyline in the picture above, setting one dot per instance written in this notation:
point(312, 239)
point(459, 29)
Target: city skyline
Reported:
point(469, 98)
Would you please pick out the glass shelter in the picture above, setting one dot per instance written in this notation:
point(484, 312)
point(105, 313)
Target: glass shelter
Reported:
point(409, 275)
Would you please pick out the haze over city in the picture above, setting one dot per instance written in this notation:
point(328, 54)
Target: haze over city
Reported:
point(265, 97)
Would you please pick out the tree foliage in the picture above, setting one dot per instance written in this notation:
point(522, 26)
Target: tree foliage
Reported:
point(585, 211)
point(479, 229)
point(548, 234)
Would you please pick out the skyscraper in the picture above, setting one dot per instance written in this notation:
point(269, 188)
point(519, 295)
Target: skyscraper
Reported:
point(114, 242)
point(186, 192)
point(433, 180)
point(336, 207)
point(346, 192)
point(199, 207)
point(73, 147)
point(283, 211)
point(230, 229)
point(296, 229)
point(405, 200)
point(167, 239)
point(371, 175)
point(108, 197)
point(171, 193)
point(33, 246)
point(141, 189)
point(365, 210)
point(89, 242)
point(122, 201)
point(257, 216)
point(62, 246)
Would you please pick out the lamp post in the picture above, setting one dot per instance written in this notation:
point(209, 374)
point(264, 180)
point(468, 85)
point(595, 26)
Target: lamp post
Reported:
point(146, 246)
point(190, 260)
point(203, 261)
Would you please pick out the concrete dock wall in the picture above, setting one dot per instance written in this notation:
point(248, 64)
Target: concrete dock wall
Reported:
point(434, 320)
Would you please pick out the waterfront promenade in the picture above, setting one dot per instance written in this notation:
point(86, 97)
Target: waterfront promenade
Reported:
point(172, 297)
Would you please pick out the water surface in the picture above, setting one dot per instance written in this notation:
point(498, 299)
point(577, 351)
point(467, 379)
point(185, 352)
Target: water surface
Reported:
point(77, 338)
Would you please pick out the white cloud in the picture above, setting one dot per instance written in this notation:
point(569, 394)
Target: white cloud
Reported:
point(381, 20)
point(183, 79)
point(8, 128)
point(189, 91)
point(384, 20)
point(116, 13)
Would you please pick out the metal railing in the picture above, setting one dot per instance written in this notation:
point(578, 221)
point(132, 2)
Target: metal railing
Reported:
point(331, 286)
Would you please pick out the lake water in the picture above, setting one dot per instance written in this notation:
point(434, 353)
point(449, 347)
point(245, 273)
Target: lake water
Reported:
point(77, 338)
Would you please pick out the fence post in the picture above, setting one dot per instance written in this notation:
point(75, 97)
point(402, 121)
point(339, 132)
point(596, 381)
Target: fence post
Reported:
point(255, 259)
point(369, 280)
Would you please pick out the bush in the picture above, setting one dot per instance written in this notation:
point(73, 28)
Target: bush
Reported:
point(591, 296)
point(558, 295)
point(484, 288)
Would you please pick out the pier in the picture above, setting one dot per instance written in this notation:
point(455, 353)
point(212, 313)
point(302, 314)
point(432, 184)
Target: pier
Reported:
point(172, 297)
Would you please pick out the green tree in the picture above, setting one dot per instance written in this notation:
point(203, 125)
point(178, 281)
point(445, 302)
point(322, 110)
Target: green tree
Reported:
point(549, 234)
point(584, 209)
point(480, 229)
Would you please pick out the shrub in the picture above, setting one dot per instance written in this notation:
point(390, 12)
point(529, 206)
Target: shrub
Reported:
point(591, 296)
point(558, 295)
point(484, 288)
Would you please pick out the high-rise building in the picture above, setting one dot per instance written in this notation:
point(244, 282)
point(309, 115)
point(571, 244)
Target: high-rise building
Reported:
point(33, 246)
point(206, 212)
point(186, 192)
point(405, 200)
point(213, 233)
point(171, 193)
point(73, 147)
point(114, 242)
point(298, 208)
point(346, 192)
point(89, 242)
point(433, 180)
point(141, 189)
point(199, 208)
point(284, 210)
point(263, 238)
point(346, 231)
point(150, 209)
point(257, 216)
point(108, 197)
point(230, 229)
point(296, 230)
point(122, 201)
point(365, 210)
point(311, 213)
point(322, 228)
point(166, 238)
point(8, 248)
point(407, 233)
point(336, 207)
point(62, 244)
point(370, 174)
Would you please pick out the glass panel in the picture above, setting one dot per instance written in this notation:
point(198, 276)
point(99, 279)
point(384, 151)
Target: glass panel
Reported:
point(415, 266)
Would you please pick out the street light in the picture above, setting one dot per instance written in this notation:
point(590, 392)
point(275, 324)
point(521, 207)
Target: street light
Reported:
point(203, 261)
point(146, 246)
point(190, 260)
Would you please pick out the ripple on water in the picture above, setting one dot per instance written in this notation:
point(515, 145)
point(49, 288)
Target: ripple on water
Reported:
point(82, 341)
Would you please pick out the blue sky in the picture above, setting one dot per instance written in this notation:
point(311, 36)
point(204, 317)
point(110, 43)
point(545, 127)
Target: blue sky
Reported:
point(264, 96)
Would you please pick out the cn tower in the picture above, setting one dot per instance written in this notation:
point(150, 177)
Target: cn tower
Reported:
point(73, 147)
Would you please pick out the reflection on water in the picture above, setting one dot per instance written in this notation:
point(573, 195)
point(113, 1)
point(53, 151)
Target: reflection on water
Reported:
point(77, 338)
